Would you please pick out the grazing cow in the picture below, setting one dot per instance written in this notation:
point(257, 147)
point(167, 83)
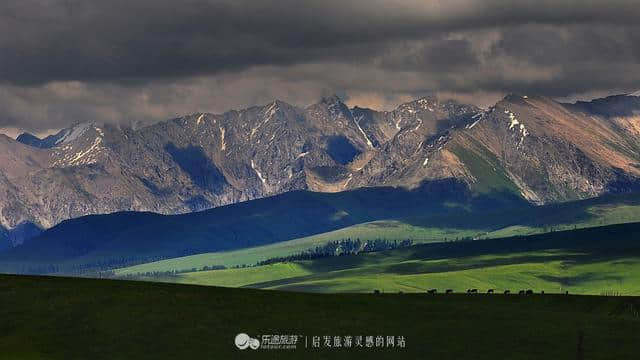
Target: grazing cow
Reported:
point(490, 291)
point(376, 291)
point(507, 292)
point(567, 292)
point(449, 291)
point(521, 292)
point(529, 292)
point(542, 292)
point(473, 291)
point(432, 291)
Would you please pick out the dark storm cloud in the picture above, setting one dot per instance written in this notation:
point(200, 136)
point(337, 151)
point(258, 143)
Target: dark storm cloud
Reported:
point(582, 57)
point(126, 61)
point(437, 54)
point(116, 40)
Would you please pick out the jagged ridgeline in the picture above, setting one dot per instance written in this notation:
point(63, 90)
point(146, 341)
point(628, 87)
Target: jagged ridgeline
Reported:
point(527, 147)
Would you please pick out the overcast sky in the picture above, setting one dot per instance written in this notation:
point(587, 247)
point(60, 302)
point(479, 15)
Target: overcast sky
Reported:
point(130, 61)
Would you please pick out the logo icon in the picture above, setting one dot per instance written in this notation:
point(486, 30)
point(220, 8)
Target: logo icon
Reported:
point(244, 341)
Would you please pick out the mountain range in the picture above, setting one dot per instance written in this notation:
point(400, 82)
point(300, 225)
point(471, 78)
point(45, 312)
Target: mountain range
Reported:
point(531, 147)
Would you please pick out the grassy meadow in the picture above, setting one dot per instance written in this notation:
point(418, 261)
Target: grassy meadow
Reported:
point(567, 216)
point(583, 261)
point(549, 271)
point(74, 318)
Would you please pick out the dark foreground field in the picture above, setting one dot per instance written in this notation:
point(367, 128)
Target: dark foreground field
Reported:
point(63, 318)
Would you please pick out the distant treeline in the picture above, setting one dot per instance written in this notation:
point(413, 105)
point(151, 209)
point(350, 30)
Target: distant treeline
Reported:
point(332, 248)
point(339, 248)
point(111, 273)
point(105, 267)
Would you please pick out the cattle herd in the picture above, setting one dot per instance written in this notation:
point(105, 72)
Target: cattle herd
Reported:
point(475, 291)
point(489, 291)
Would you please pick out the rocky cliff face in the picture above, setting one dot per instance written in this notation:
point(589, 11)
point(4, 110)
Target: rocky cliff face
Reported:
point(533, 147)
point(552, 153)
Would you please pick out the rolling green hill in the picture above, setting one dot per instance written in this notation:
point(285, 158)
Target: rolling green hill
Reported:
point(585, 261)
point(523, 221)
point(64, 318)
point(287, 224)
point(102, 241)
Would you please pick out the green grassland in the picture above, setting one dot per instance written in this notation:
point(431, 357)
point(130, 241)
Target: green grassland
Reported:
point(584, 261)
point(244, 233)
point(485, 167)
point(66, 318)
point(388, 229)
point(596, 215)
point(581, 214)
point(98, 242)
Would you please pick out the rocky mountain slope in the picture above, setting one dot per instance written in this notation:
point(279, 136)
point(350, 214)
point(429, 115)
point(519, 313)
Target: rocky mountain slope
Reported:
point(534, 147)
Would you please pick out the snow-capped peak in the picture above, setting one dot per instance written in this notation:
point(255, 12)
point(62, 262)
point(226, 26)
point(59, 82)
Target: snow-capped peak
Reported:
point(637, 93)
point(74, 132)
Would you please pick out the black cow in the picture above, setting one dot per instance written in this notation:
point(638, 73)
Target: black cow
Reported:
point(449, 291)
point(529, 292)
point(521, 292)
point(472, 291)
point(507, 291)
point(490, 291)
point(376, 291)
point(432, 291)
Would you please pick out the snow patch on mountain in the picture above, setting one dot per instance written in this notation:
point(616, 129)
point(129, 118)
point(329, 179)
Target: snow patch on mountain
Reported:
point(348, 181)
point(419, 125)
point(357, 121)
point(253, 166)
point(272, 110)
point(473, 124)
point(75, 148)
point(514, 123)
point(268, 115)
point(223, 144)
point(477, 117)
point(84, 157)
point(513, 119)
point(74, 133)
